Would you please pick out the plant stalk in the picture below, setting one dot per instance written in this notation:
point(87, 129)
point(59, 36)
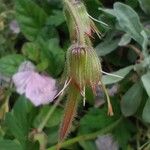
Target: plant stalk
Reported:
point(48, 115)
point(88, 136)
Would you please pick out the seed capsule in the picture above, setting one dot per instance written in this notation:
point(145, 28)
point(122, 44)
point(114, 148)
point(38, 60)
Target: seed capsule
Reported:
point(84, 66)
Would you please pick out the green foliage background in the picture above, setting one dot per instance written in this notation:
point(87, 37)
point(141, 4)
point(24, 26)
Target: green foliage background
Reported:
point(44, 38)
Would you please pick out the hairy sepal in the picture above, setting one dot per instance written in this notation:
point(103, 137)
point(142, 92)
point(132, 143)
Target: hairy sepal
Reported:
point(69, 112)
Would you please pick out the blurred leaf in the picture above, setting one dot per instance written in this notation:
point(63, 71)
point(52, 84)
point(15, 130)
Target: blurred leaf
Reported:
point(55, 55)
point(48, 32)
point(123, 133)
point(146, 111)
point(96, 119)
point(107, 79)
point(43, 64)
point(131, 99)
point(19, 121)
point(9, 144)
point(2, 39)
point(31, 51)
point(89, 96)
point(53, 121)
point(87, 145)
point(108, 11)
point(31, 17)
point(145, 42)
point(34, 53)
point(56, 19)
point(107, 47)
point(145, 5)
point(125, 39)
point(9, 64)
point(133, 3)
point(92, 7)
point(130, 22)
point(52, 134)
point(146, 82)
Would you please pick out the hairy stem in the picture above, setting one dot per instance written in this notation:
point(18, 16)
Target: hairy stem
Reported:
point(88, 136)
point(69, 113)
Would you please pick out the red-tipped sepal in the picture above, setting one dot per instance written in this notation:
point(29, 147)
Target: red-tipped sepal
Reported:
point(70, 112)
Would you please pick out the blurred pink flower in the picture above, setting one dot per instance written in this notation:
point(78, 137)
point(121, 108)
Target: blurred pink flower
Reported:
point(106, 142)
point(39, 89)
point(14, 27)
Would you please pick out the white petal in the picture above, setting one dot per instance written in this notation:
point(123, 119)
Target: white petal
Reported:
point(40, 89)
point(21, 79)
point(26, 66)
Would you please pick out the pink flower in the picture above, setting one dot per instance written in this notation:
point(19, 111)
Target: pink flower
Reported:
point(39, 89)
point(106, 142)
point(14, 27)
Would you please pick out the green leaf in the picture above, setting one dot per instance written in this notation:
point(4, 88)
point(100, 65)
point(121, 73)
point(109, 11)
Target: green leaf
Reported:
point(106, 47)
point(108, 11)
point(34, 53)
point(133, 3)
point(131, 99)
point(52, 134)
point(53, 121)
point(145, 5)
point(43, 64)
point(146, 112)
point(31, 17)
point(146, 82)
point(9, 144)
point(18, 121)
point(55, 54)
point(31, 51)
point(9, 64)
point(145, 42)
point(125, 39)
point(96, 119)
point(130, 22)
point(87, 145)
point(56, 19)
point(123, 133)
point(107, 79)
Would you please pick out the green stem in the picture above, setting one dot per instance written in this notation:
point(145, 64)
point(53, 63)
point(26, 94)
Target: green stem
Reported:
point(48, 115)
point(87, 136)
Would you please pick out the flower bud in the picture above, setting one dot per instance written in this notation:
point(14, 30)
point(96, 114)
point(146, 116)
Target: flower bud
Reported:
point(83, 66)
point(78, 20)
